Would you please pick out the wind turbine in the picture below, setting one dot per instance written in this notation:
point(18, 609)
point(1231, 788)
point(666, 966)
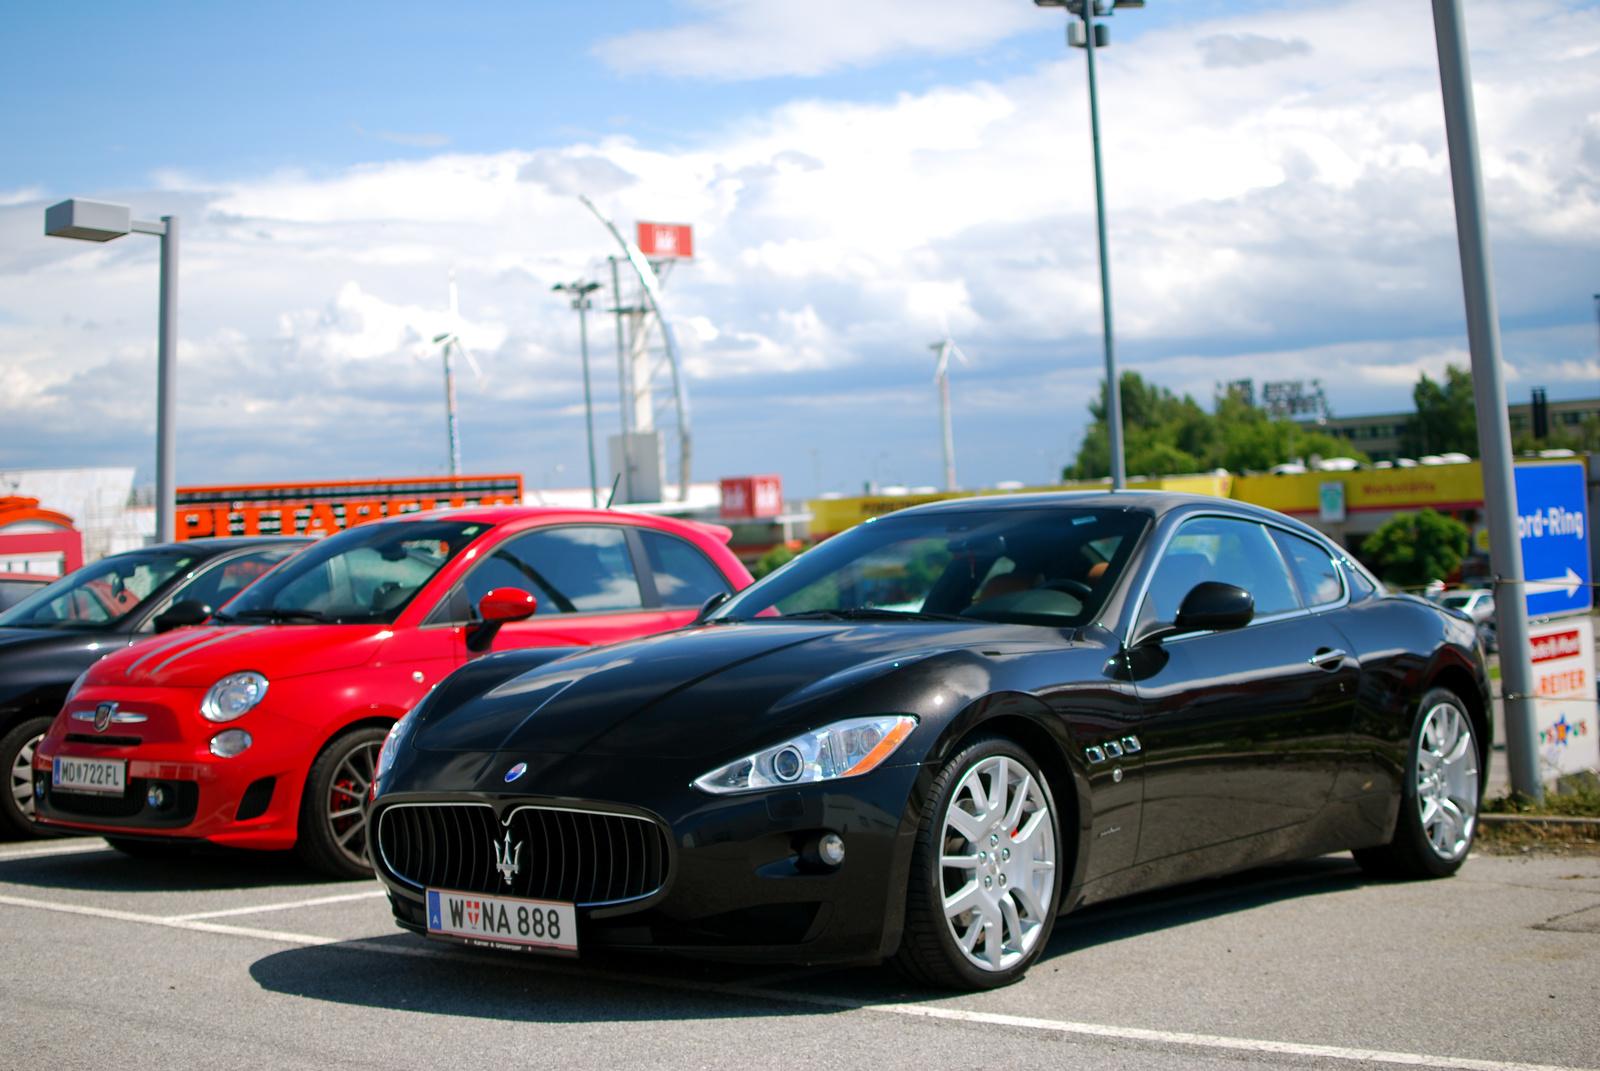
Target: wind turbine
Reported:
point(451, 340)
point(941, 375)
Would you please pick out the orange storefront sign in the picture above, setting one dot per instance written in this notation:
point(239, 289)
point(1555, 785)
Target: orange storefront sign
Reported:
point(323, 507)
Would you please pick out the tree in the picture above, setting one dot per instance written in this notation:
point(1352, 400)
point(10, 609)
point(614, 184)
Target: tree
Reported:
point(780, 554)
point(1446, 420)
point(1415, 548)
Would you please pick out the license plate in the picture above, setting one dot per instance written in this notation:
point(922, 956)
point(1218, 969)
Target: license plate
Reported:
point(503, 922)
point(90, 775)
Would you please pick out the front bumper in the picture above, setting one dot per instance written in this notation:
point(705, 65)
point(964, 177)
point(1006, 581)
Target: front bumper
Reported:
point(736, 884)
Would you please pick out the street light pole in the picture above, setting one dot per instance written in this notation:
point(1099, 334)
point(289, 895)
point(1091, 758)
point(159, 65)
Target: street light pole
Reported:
point(102, 221)
point(1090, 37)
point(581, 302)
point(1489, 394)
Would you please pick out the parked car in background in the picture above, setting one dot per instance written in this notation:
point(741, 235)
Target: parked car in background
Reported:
point(49, 638)
point(262, 729)
point(927, 737)
point(1478, 604)
point(14, 587)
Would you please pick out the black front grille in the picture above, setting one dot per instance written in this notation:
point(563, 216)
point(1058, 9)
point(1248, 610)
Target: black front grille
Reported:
point(578, 857)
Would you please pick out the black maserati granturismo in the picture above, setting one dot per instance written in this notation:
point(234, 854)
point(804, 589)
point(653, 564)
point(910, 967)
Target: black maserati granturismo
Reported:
point(928, 737)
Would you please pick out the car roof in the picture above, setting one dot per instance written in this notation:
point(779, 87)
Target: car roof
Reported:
point(497, 515)
point(1156, 503)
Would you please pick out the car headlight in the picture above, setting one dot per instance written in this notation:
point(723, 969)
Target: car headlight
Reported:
point(843, 749)
point(391, 747)
point(233, 696)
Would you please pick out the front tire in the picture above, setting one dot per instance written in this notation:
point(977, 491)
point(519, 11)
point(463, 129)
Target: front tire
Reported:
point(981, 898)
point(333, 812)
point(1438, 797)
point(17, 817)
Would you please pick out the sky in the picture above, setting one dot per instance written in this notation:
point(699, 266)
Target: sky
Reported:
point(861, 178)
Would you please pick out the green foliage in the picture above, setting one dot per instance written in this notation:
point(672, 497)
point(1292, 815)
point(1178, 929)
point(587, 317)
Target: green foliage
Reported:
point(1164, 435)
point(1445, 420)
point(1583, 438)
point(1576, 796)
point(1415, 548)
point(772, 560)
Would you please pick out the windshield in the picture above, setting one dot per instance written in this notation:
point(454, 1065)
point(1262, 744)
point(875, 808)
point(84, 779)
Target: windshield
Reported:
point(364, 575)
point(1458, 602)
point(1051, 567)
point(100, 595)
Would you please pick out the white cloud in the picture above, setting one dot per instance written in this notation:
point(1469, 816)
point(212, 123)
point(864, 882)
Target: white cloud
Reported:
point(738, 39)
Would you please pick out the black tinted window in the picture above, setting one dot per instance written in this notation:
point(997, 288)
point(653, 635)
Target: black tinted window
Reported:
point(217, 583)
point(1231, 552)
point(1313, 569)
point(684, 576)
point(99, 594)
point(577, 569)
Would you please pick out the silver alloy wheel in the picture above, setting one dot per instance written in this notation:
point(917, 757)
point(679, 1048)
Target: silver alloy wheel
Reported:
point(346, 806)
point(22, 778)
point(999, 863)
point(1447, 781)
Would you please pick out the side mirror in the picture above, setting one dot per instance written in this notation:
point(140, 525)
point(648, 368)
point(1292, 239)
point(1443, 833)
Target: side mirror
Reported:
point(496, 608)
point(710, 605)
point(1213, 606)
point(182, 613)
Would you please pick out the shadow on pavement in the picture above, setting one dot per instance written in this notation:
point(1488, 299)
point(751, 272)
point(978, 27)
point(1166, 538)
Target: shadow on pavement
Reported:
point(200, 871)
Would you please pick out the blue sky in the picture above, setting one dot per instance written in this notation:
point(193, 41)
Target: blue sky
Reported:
point(857, 173)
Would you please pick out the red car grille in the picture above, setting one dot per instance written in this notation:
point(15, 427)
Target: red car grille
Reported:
point(580, 857)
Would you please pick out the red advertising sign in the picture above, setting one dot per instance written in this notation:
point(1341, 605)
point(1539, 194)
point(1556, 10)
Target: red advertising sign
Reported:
point(751, 497)
point(1557, 645)
point(666, 240)
point(323, 508)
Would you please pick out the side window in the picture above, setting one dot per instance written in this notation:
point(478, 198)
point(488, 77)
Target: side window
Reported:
point(684, 576)
point(1361, 586)
point(568, 570)
point(1313, 569)
point(219, 583)
point(1229, 551)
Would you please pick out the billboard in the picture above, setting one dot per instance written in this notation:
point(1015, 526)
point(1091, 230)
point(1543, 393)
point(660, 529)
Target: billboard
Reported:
point(329, 506)
point(752, 497)
point(1553, 526)
point(660, 240)
point(1563, 674)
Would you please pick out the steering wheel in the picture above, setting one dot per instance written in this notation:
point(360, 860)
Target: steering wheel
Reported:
point(1072, 587)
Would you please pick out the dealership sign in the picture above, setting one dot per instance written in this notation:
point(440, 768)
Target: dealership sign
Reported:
point(661, 240)
point(1564, 690)
point(321, 509)
point(752, 497)
point(1553, 524)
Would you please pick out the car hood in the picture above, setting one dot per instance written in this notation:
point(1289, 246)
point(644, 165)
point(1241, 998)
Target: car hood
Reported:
point(196, 657)
point(703, 690)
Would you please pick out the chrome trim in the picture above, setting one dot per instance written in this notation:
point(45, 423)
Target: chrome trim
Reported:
point(1094, 755)
point(117, 719)
point(1131, 745)
point(1113, 749)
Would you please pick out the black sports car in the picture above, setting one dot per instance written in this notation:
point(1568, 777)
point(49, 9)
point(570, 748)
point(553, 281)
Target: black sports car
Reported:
point(58, 631)
point(927, 737)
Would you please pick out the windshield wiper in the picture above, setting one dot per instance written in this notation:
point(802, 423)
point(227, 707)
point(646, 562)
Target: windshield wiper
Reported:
point(869, 613)
point(275, 613)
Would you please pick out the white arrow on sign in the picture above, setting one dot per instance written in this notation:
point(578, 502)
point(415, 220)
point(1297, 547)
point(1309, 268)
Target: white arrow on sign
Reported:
point(1569, 584)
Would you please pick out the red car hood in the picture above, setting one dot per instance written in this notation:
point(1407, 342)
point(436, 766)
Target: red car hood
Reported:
point(196, 657)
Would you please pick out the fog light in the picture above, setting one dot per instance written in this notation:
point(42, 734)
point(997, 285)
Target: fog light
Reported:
point(156, 797)
point(230, 742)
point(830, 849)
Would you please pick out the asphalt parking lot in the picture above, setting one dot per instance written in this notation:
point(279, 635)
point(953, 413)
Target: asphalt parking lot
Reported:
point(249, 961)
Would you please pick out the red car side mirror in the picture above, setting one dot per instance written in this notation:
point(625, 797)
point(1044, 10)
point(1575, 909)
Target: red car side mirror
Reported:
point(507, 604)
point(496, 608)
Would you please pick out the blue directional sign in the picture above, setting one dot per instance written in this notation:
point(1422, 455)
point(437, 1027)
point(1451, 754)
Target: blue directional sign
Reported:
point(1553, 521)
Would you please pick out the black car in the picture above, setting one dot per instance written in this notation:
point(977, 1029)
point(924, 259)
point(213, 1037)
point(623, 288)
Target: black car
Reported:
point(14, 587)
point(51, 637)
point(926, 738)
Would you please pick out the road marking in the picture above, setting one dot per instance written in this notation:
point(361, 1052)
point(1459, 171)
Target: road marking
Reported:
point(257, 909)
point(94, 844)
point(923, 1011)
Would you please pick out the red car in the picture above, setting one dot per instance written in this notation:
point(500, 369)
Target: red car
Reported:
point(262, 731)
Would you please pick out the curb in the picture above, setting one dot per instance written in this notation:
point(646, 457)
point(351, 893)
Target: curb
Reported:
point(1541, 819)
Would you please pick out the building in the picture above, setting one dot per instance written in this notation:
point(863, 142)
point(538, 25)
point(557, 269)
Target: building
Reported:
point(1378, 435)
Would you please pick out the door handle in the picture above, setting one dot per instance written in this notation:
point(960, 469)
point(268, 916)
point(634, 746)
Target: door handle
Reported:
point(1328, 658)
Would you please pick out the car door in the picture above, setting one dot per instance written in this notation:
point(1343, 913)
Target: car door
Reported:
point(584, 580)
point(1243, 730)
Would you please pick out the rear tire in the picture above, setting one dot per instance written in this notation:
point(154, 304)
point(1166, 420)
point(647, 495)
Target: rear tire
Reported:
point(1438, 797)
point(981, 898)
point(333, 811)
point(16, 756)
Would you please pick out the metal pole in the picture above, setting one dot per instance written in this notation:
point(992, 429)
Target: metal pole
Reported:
point(622, 387)
point(949, 438)
point(167, 388)
point(1494, 430)
point(582, 305)
point(450, 411)
point(1119, 471)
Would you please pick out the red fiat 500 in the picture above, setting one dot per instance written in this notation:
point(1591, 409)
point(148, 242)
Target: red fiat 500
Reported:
point(261, 731)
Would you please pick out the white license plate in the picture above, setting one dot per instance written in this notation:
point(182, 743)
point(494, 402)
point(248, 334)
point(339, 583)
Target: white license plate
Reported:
point(90, 775)
point(500, 921)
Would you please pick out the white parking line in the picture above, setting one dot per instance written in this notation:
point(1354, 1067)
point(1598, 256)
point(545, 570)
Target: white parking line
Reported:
point(258, 908)
point(71, 847)
point(924, 1011)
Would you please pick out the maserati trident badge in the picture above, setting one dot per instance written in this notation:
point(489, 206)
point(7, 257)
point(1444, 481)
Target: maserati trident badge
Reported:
point(508, 860)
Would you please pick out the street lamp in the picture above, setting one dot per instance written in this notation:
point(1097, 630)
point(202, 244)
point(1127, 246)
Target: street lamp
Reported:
point(581, 291)
point(101, 221)
point(1089, 36)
